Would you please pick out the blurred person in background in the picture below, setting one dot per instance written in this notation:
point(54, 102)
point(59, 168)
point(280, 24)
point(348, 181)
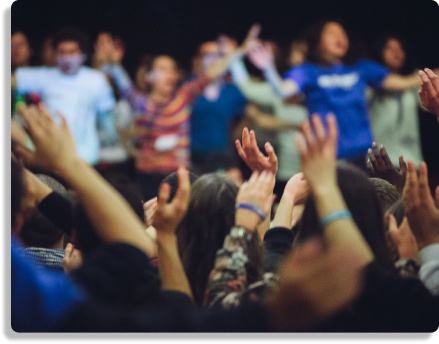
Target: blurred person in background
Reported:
point(394, 114)
point(80, 93)
point(334, 80)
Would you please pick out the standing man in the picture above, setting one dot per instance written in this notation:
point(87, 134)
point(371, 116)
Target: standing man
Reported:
point(80, 93)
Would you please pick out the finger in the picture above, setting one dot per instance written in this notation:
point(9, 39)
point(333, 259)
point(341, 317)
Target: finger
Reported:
point(332, 130)
point(163, 196)
point(370, 169)
point(25, 153)
point(424, 189)
point(427, 85)
point(385, 157)
point(377, 154)
point(434, 79)
point(44, 113)
point(372, 160)
point(149, 203)
point(272, 157)
point(309, 137)
point(411, 181)
point(183, 191)
point(253, 177)
point(253, 144)
point(402, 166)
point(245, 138)
point(64, 123)
point(319, 129)
point(68, 250)
point(301, 146)
point(240, 150)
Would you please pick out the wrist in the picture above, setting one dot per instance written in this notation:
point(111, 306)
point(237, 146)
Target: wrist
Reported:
point(164, 238)
point(71, 169)
point(247, 219)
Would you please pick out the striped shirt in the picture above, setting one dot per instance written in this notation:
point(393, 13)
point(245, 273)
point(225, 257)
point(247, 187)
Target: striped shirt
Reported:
point(49, 257)
point(164, 128)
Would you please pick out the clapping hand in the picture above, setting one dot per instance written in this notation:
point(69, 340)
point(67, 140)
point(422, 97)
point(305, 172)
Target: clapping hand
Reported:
point(429, 92)
point(379, 165)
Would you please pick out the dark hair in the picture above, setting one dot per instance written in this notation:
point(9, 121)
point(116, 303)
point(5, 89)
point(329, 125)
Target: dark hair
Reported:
point(209, 218)
point(365, 207)
point(38, 231)
point(172, 180)
point(18, 190)
point(71, 34)
point(381, 42)
point(387, 193)
point(313, 35)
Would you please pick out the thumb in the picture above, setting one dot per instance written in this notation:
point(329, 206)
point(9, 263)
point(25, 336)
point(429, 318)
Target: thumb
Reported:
point(68, 251)
point(393, 229)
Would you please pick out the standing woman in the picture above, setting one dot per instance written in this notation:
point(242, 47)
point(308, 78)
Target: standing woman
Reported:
point(394, 114)
point(162, 128)
point(334, 82)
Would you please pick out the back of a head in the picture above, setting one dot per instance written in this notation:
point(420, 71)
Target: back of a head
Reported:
point(172, 180)
point(209, 218)
point(72, 34)
point(365, 207)
point(386, 192)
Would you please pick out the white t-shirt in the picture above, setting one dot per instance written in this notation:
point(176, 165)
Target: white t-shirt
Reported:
point(81, 98)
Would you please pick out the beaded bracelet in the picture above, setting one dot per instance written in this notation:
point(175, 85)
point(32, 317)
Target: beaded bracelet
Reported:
point(251, 208)
point(335, 215)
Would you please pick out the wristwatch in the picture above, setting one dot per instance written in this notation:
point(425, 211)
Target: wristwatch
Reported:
point(240, 233)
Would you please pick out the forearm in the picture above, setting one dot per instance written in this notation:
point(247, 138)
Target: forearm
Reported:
point(341, 233)
point(284, 213)
point(111, 216)
point(171, 269)
point(283, 88)
point(395, 82)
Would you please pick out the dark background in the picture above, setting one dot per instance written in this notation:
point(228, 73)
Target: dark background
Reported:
point(177, 27)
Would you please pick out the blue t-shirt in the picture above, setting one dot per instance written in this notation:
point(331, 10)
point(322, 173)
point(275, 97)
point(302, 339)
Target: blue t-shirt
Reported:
point(40, 298)
point(210, 120)
point(340, 89)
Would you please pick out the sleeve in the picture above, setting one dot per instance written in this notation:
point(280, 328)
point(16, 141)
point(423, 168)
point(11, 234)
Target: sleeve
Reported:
point(278, 242)
point(192, 89)
point(104, 98)
point(228, 279)
point(373, 73)
point(300, 75)
point(30, 80)
point(125, 86)
point(429, 271)
point(58, 210)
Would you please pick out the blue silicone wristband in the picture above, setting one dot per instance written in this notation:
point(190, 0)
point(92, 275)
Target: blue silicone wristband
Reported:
point(251, 208)
point(335, 215)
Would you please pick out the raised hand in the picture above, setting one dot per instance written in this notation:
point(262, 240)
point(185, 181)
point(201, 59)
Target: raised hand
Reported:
point(149, 209)
point(54, 145)
point(403, 238)
point(429, 92)
point(261, 55)
point(297, 188)
point(252, 35)
point(317, 283)
point(169, 215)
point(257, 192)
point(72, 259)
point(419, 206)
point(318, 153)
point(379, 165)
point(253, 157)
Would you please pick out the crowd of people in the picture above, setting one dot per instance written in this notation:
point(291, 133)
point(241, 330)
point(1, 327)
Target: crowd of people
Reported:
point(227, 199)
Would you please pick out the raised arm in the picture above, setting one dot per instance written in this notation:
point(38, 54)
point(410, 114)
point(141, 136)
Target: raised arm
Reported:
point(262, 57)
point(111, 216)
point(395, 82)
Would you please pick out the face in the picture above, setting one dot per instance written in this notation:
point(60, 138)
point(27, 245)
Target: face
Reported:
point(393, 54)
point(165, 74)
point(334, 42)
point(209, 49)
point(68, 48)
point(20, 50)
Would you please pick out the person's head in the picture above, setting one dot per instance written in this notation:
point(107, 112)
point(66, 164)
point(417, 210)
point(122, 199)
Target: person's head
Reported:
point(163, 74)
point(71, 46)
point(207, 52)
point(210, 216)
point(172, 180)
point(328, 42)
point(47, 54)
point(387, 193)
point(364, 205)
point(143, 68)
point(21, 51)
point(392, 52)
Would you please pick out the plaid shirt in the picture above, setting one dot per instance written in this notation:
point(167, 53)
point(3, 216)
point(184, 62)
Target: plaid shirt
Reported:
point(49, 257)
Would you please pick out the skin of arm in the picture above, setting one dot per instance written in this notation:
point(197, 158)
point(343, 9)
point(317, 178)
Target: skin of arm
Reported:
point(395, 82)
point(166, 220)
point(111, 216)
